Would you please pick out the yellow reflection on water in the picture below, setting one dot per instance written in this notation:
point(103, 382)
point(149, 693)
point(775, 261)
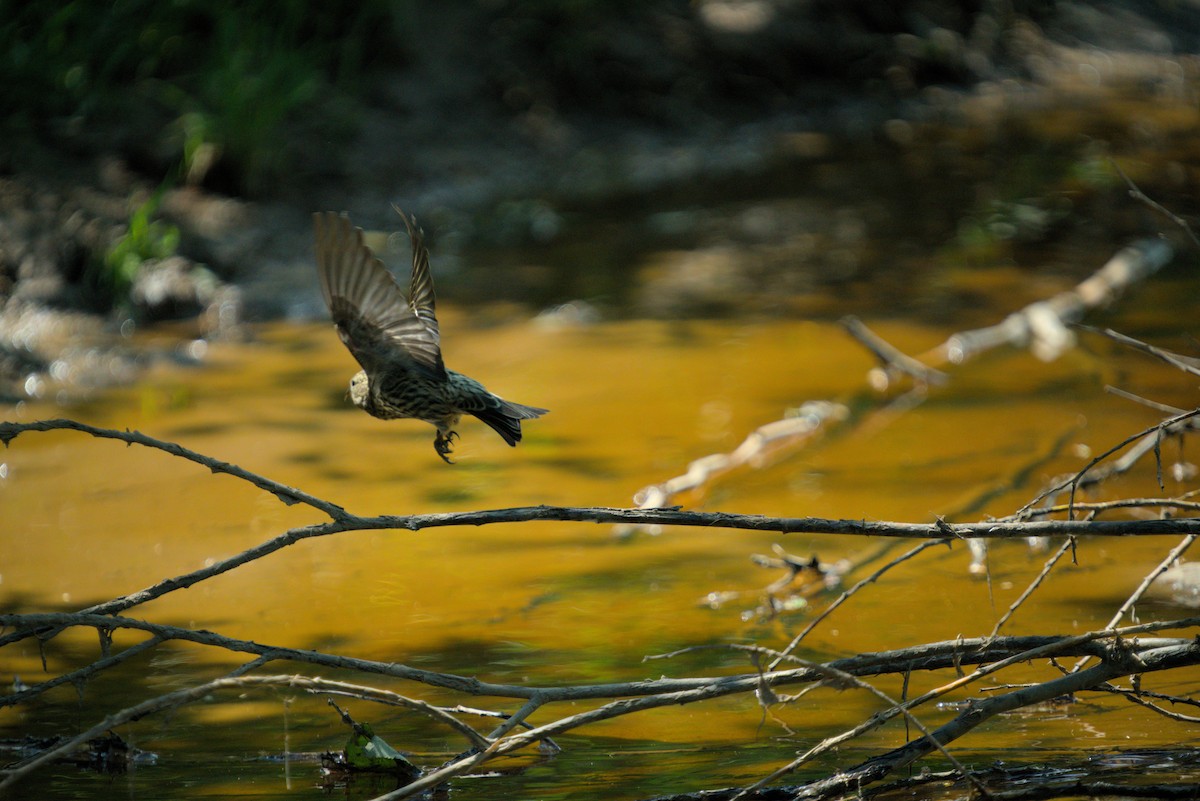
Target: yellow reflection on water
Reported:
point(632, 403)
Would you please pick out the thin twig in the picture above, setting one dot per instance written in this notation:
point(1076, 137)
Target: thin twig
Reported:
point(289, 495)
point(877, 767)
point(1097, 507)
point(1137, 697)
point(1140, 196)
point(1170, 424)
point(1155, 405)
point(78, 677)
point(845, 596)
point(892, 359)
point(899, 707)
point(1033, 585)
point(1187, 364)
point(1149, 578)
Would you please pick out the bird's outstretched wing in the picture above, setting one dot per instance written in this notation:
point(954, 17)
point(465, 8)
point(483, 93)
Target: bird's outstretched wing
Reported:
point(375, 321)
point(420, 285)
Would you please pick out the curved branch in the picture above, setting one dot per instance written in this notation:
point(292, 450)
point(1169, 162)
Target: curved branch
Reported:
point(188, 695)
point(289, 495)
point(1117, 663)
point(170, 585)
point(994, 652)
point(672, 516)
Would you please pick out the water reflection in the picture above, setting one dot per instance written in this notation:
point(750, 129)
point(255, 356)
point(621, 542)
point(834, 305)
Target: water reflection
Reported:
point(635, 400)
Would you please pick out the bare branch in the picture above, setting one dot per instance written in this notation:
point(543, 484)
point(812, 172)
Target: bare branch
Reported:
point(1044, 325)
point(1139, 698)
point(892, 360)
point(845, 596)
point(1187, 364)
point(1138, 195)
point(1161, 568)
point(1145, 440)
point(77, 677)
point(289, 495)
point(1116, 664)
point(1068, 545)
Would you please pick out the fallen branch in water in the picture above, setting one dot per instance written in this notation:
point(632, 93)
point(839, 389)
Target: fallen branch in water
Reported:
point(1118, 657)
point(344, 521)
point(1044, 327)
point(674, 516)
point(1118, 653)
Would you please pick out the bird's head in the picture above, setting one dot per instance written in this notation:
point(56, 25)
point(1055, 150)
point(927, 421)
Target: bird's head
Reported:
point(358, 389)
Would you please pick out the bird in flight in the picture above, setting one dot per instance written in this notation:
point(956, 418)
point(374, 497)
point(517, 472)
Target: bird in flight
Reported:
point(396, 341)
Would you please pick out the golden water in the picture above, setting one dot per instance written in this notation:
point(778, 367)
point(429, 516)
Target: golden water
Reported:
point(632, 403)
point(85, 520)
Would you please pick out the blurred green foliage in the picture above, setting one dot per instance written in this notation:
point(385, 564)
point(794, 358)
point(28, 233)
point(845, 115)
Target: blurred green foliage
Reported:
point(206, 82)
point(146, 238)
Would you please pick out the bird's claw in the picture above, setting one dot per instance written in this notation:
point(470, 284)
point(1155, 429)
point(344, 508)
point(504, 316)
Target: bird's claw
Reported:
point(442, 445)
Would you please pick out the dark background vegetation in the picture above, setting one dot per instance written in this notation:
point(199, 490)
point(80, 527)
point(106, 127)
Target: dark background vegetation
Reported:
point(152, 153)
point(243, 97)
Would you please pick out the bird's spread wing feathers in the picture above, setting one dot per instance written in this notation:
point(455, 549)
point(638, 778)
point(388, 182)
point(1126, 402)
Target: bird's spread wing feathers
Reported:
point(374, 319)
point(420, 285)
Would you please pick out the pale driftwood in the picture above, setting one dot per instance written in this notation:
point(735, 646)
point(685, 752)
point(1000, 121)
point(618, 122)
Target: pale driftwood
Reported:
point(793, 430)
point(1044, 327)
point(892, 360)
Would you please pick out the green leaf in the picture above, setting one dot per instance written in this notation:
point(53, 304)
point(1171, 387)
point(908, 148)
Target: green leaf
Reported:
point(366, 750)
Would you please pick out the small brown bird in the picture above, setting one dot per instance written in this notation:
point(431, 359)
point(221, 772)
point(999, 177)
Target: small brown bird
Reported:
point(396, 339)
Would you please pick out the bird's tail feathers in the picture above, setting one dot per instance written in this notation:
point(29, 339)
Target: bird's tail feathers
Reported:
point(505, 418)
point(521, 411)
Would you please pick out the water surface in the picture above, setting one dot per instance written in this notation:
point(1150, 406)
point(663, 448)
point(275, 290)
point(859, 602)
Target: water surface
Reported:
point(633, 401)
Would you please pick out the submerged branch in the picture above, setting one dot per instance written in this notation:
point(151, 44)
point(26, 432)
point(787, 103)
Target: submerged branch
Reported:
point(1045, 327)
point(1117, 663)
point(930, 656)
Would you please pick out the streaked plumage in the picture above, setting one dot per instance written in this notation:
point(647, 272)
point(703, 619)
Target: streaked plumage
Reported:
point(396, 339)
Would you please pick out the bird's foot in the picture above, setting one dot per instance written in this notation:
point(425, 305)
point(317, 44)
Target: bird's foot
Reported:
point(442, 445)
